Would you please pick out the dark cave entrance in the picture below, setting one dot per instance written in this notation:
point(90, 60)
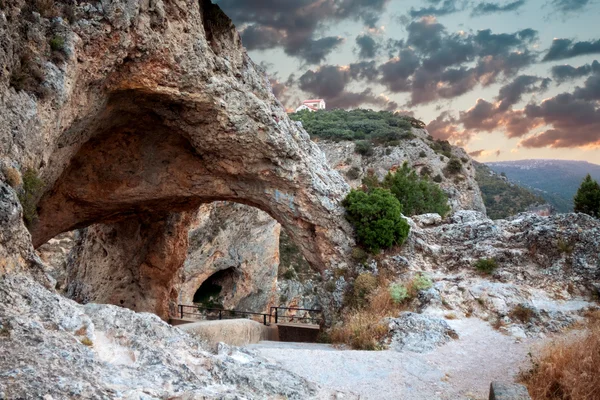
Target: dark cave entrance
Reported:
point(213, 291)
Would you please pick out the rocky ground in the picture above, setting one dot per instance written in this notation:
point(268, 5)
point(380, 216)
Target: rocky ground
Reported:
point(460, 369)
point(52, 347)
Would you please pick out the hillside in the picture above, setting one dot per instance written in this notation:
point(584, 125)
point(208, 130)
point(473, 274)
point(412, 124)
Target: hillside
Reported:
point(555, 180)
point(503, 198)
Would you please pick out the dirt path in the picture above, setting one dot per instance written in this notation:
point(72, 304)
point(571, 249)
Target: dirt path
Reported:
point(461, 369)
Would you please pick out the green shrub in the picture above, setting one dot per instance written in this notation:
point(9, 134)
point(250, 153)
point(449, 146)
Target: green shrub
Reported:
point(425, 171)
point(454, 166)
point(421, 282)
point(422, 154)
point(398, 293)
point(363, 148)
point(29, 195)
point(359, 255)
point(565, 246)
point(587, 198)
point(486, 265)
point(438, 178)
point(417, 195)
point(57, 43)
point(377, 218)
point(464, 160)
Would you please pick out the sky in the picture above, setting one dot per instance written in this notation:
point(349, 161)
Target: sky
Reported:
point(506, 80)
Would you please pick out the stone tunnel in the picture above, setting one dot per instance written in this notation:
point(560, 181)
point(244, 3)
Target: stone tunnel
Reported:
point(159, 128)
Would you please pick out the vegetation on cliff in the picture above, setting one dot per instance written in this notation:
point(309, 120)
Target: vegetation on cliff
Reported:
point(379, 127)
point(587, 198)
point(501, 197)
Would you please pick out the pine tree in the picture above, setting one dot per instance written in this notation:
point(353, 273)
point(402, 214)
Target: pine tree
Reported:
point(587, 199)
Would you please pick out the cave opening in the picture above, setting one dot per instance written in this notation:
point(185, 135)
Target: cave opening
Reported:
point(213, 291)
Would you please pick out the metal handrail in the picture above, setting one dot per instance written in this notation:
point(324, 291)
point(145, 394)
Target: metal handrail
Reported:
point(294, 317)
point(273, 312)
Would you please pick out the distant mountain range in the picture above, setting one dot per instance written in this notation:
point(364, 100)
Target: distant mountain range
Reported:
point(554, 180)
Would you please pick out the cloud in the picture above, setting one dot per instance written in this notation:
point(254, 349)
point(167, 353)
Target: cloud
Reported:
point(562, 73)
point(476, 153)
point(511, 93)
point(445, 127)
point(294, 25)
point(491, 8)
point(447, 7)
point(368, 47)
point(565, 48)
point(315, 51)
point(566, 6)
point(433, 64)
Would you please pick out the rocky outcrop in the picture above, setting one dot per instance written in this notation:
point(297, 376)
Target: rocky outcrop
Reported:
point(418, 332)
point(546, 273)
point(242, 243)
point(461, 188)
point(52, 347)
point(145, 109)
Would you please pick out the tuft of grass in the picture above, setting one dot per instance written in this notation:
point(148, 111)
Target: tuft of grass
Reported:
point(86, 341)
point(29, 195)
point(359, 255)
point(362, 328)
point(13, 177)
point(522, 313)
point(486, 265)
point(289, 274)
point(566, 369)
point(565, 247)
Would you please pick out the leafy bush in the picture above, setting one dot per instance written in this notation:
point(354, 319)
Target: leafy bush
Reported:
point(363, 148)
point(422, 154)
point(417, 195)
point(486, 265)
point(438, 178)
point(442, 147)
point(454, 166)
point(377, 218)
point(57, 43)
point(29, 195)
point(359, 255)
point(289, 274)
point(587, 198)
point(421, 282)
point(398, 292)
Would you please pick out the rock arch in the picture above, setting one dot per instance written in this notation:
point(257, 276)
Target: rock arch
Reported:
point(156, 129)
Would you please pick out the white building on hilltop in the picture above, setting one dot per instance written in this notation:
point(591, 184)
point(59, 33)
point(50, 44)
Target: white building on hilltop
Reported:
point(312, 105)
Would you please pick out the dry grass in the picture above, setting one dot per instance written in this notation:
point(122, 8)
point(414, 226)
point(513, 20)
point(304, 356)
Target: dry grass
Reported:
point(13, 177)
point(362, 328)
point(567, 369)
point(522, 313)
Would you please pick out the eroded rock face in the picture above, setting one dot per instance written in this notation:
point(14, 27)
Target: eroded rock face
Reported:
point(237, 238)
point(155, 109)
point(461, 188)
point(547, 271)
point(131, 263)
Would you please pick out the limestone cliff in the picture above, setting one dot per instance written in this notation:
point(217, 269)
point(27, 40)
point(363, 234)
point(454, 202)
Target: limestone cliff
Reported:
point(134, 114)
